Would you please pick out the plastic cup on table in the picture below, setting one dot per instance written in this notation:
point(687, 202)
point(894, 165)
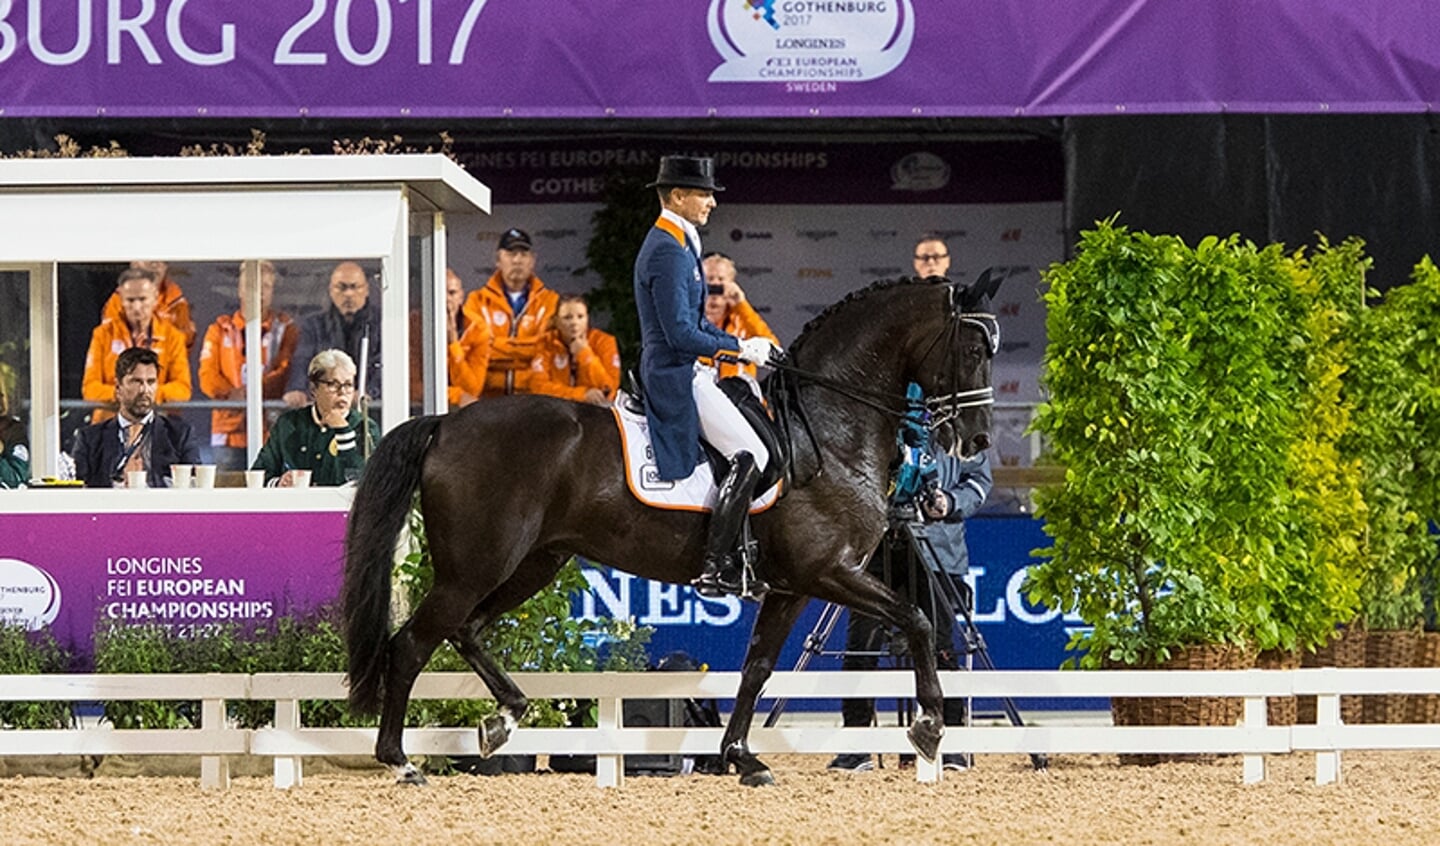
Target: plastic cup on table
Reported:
point(204, 475)
point(181, 474)
point(136, 479)
point(300, 478)
point(254, 478)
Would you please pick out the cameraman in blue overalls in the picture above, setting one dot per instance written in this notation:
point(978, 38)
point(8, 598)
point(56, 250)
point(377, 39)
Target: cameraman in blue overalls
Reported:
point(952, 491)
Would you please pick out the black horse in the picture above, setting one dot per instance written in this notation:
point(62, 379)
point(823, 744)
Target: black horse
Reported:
point(511, 488)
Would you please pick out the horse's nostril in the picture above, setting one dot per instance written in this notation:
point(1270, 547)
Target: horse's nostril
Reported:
point(982, 442)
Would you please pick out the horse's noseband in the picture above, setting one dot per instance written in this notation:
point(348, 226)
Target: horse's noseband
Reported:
point(944, 408)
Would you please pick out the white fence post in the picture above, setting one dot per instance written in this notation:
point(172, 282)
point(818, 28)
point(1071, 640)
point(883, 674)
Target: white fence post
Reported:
point(609, 769)
point(1255, 717)
point(214, 769)
point(289, 771)
point(1327, 714)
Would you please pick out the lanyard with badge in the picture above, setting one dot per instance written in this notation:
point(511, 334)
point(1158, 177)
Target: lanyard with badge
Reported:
point(129, 450)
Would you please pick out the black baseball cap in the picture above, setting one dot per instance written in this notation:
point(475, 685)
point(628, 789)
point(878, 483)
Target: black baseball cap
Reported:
point(515, 239)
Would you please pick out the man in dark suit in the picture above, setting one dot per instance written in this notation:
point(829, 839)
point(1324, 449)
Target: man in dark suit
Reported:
point(137, 438)
point(683, 400)
point(350, 319)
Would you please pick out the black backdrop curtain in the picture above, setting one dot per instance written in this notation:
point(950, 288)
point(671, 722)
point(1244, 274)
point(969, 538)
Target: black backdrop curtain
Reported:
point(1268, 177)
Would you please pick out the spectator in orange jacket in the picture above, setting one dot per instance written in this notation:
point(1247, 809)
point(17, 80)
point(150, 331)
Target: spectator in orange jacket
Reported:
point(576, 362)
point(223, 370)
point(519, 309)
point(171, 304)
point(468, 344)
point(727, 308)
point(138, 326)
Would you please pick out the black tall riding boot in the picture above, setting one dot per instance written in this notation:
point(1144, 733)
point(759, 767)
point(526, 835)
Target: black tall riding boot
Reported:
point(723, 567)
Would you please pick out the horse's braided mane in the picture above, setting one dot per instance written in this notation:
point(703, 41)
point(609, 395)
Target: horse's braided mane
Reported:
point(859, 294)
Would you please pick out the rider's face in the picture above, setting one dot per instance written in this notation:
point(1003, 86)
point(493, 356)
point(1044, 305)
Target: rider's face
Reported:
point(693, 204)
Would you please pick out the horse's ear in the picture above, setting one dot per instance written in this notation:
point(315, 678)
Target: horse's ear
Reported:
point(985, 285)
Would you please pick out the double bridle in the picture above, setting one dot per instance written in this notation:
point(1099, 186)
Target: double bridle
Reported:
point(939, 410)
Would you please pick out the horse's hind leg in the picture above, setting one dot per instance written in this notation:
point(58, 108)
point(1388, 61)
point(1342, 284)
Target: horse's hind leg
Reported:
point(439, 615)
point(533, 574)
point(777, 616)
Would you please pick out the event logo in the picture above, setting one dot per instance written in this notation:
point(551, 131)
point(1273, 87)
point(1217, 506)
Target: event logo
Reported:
point(919, 172)
point(29, 596)
point(809, 41)
point(742, 234)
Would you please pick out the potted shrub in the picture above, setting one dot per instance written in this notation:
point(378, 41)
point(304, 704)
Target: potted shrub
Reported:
point(1187, 520)
point(1395, 393)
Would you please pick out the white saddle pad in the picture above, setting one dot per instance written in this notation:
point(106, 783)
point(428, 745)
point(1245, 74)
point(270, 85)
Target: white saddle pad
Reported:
point(695, 492)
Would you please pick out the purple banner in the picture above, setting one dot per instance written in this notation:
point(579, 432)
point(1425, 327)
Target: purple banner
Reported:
point(183, 571)
point(725, 58)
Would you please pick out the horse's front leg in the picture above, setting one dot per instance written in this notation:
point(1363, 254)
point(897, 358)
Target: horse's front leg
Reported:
point(868, 595)
point(777, 616)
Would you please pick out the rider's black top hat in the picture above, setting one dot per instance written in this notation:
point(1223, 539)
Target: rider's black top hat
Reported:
point(686, 172)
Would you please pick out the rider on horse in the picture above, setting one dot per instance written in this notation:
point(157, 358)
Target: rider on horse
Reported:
point(682, 399)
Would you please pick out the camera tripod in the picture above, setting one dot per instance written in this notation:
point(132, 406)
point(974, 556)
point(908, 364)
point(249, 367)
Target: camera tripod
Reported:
point(951, 597)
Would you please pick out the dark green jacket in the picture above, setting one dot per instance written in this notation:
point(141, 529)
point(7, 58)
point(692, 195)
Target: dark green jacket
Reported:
point(14, 453)
point(299, 442)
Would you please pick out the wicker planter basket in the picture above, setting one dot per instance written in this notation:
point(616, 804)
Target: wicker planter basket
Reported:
point(1346, 649)
point(1425, 707)
point(1182, 710)
point(1279, 710)
point(1391, 648)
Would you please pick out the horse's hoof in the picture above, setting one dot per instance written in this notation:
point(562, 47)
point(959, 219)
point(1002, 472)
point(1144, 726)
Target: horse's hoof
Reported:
point(494, 732)
point(409, 775)
point(759, 778)
point(925, 736)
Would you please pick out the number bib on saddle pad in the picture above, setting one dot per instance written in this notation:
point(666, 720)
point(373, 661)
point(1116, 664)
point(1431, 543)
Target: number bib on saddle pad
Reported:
point(695, 492)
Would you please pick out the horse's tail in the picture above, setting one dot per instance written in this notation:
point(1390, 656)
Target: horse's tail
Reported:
point(378, 513)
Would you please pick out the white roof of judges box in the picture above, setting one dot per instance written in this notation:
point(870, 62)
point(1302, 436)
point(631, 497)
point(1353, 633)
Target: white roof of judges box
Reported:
point(222, 208)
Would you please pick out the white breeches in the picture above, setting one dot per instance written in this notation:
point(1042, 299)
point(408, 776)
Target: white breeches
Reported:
point(721, 423)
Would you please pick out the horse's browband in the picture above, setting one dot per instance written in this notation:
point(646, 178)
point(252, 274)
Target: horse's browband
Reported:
point(988, 323)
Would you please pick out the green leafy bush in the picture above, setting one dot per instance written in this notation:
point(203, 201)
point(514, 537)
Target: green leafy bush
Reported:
point(27, 653)
point(1194, 492)
point(1394, 386)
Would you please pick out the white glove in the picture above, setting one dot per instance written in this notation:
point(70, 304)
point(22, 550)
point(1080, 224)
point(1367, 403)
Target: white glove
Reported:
point(757, 350)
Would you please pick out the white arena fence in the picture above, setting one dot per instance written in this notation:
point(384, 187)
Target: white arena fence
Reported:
point(289, 742)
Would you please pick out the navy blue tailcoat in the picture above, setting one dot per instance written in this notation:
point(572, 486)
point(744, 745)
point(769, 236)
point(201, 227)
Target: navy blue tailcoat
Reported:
point(670, 295)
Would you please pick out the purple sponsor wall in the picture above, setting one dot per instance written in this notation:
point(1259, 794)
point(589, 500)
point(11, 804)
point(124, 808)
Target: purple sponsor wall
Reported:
point(181, 570)
point(187, 571)
point(656, 58)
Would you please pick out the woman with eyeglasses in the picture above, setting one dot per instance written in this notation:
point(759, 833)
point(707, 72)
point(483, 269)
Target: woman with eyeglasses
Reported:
point(324, 437)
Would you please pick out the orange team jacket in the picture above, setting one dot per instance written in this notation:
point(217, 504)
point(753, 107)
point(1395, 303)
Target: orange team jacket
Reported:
point(171, 305)
point(467, 360)
point(223, 355)
point(111, 338)
point(516, 337)
point(555, 374)
point(743, 321)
